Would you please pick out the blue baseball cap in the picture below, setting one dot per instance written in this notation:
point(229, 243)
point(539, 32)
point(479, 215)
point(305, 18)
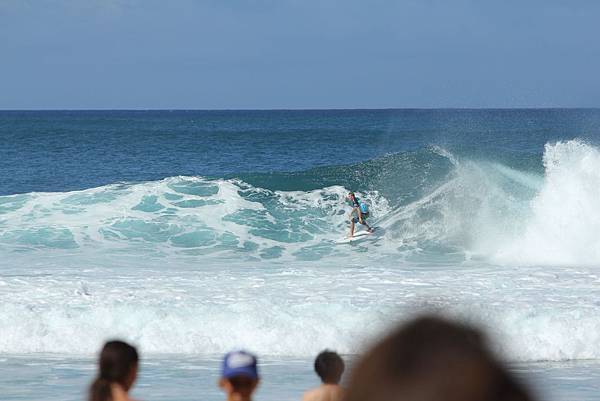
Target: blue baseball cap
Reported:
point(239, 363)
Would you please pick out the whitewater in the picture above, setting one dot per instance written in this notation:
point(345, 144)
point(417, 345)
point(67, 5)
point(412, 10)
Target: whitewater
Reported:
point(197, 265)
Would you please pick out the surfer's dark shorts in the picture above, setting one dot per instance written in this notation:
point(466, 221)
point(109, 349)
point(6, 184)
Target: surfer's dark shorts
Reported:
point(365, 216)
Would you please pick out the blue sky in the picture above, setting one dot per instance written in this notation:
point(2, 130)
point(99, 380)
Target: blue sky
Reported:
point(230, 54)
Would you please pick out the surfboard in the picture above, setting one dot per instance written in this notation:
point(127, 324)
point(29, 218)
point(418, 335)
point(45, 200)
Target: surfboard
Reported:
point(359, 236)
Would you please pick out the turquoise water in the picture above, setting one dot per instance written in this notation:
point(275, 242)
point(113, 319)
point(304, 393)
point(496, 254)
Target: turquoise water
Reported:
point(190, 233)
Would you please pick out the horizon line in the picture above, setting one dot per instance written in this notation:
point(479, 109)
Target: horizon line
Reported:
point(312, 109)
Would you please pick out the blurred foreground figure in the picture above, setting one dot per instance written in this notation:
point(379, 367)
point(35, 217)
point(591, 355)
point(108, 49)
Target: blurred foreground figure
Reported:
point(117, 372)
point(432, 359)
point(329, 366)
point(239, 376)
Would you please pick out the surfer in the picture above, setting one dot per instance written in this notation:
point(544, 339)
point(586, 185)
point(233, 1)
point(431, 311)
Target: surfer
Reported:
point(359, 214)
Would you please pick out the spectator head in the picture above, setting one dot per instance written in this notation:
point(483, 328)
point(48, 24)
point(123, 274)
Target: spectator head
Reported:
point(433, 359)
point(239, 375)
point(118, 365)
point(329, 366)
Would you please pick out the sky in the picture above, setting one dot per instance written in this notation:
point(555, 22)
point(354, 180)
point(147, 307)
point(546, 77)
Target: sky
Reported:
point(298, 54)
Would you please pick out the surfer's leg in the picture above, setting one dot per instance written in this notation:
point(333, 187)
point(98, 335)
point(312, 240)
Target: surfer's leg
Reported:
point(351, 228)
point(364, 223)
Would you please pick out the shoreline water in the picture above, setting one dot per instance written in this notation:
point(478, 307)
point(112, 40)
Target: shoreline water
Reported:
point(187, 378)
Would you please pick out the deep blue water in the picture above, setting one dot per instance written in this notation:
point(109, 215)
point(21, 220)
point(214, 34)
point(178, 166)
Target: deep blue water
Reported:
point(70, 150)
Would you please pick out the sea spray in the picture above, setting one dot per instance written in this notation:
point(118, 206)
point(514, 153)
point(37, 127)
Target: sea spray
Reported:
point(564, 219)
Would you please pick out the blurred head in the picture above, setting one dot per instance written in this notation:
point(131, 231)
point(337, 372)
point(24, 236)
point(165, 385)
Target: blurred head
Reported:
point(329, 366)
point(239, 375)
point(118, 364)
point(351, 195)
point(432, 359)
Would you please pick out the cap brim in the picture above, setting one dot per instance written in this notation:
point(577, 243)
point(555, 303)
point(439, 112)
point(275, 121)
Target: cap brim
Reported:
point(249, 373)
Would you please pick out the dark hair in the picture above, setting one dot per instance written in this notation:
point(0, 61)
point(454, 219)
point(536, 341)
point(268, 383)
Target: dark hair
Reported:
point(433, 359)
point(329, 366)
point(117, 361)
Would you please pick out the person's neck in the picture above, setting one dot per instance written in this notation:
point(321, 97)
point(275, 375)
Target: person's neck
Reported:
point(118, 393)
point(238, 397)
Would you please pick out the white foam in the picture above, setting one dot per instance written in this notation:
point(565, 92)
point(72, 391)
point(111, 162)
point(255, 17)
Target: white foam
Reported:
point(291, 310)
point(510, 217)
point(179, 214)
point(564, 221)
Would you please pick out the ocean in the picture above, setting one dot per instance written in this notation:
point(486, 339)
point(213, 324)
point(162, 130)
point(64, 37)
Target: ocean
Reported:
point(189, 233)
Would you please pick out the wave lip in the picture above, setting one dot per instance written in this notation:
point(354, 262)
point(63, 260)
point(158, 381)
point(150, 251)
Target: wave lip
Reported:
point(501, 215)
point(564, 218)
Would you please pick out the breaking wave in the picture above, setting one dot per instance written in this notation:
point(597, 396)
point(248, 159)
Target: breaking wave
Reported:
point(200, 265)
point(427, 202)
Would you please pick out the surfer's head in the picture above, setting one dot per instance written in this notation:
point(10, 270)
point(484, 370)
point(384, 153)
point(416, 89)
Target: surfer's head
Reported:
point(353, 199)
point(433, 359)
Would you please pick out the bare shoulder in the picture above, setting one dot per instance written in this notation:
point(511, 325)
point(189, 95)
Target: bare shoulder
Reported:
point(311, 395)
point(335, 393)
point(324, 393)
